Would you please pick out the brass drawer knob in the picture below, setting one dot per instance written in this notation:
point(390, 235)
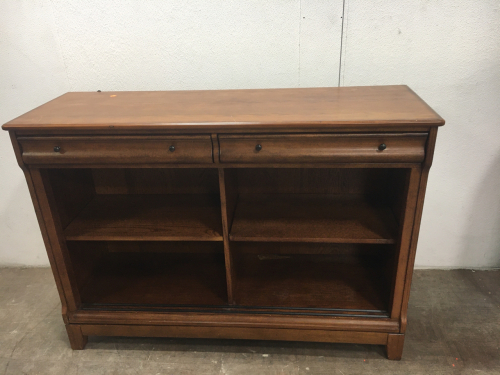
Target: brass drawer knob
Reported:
point(382, 147)
point(57, 149)
point(258, 147)
point(171, 148)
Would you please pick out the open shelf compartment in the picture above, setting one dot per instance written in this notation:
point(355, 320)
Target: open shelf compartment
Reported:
point(140, 274)
point(318, 241)
point(312, 218)
point(138, 204)
point(152, 217)
point(320, 277)
point(140, 238)
point(317, 205)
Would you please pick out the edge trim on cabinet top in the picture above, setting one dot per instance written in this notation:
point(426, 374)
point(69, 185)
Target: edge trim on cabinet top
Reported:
point(211, 110)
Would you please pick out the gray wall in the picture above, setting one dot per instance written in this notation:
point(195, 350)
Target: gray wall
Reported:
point(447, 51)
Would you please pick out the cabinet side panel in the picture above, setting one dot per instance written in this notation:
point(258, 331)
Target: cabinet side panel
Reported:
point(41, 223)
point(54, 231)
point(86, 256)
point(404, 242)
point(72, 190)
point(416, 227)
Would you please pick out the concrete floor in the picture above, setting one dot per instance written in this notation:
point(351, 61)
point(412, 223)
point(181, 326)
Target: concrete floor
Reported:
point(454, 328)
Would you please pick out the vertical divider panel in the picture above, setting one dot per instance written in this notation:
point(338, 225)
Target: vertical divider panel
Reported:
point(228, 198)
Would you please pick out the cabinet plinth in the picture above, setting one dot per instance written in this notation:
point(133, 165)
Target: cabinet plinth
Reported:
point(282, 214)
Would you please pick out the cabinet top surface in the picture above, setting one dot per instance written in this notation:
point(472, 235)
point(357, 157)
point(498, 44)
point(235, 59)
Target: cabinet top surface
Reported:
point(329, 107)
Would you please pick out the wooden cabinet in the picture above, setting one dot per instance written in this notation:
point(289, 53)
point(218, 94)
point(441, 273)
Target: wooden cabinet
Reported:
point(284, 214)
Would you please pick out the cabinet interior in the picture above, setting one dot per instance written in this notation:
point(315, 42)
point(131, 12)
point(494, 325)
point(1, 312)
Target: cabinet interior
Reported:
point(298, 240)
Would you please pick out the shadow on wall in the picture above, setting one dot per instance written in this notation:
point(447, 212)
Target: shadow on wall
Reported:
point(22, 241)
point(481, 236)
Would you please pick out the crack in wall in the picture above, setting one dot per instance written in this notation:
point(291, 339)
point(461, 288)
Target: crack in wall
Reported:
point(300, 36)
point(341, 39)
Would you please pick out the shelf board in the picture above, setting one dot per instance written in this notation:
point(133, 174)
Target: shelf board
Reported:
point(148, 217)
point(312, 218)
point(312, 281)
point(156, 278)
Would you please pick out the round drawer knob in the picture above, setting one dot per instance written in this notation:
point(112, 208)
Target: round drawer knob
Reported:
point(57, 149)
point(171, 148)
point(258, 147)
point(382, 147)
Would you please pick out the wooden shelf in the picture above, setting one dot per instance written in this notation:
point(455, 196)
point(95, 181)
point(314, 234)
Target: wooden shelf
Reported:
point(312, 218)
point(156, 278)
point(148, 217)
point(312, 281)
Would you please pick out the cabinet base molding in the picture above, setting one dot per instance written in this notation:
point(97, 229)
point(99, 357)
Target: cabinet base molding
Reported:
point(78, 335)
point(376, 338)
point(230, 321)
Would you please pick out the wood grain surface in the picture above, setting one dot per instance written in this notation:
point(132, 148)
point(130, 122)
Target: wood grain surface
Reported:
point(311, 218)
point(175, 217)
point(312, 281)
point(231, 109)
point(118, 149)
point(158, 278)
point(236, 333)
point(322, 148)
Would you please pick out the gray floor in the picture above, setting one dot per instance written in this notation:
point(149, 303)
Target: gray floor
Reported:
point(454, 328)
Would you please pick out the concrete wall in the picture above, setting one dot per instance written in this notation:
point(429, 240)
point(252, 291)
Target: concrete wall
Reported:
point(447, 51)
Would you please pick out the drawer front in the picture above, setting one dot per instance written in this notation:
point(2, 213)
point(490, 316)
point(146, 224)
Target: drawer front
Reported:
point(323, 148)
point(117, 150)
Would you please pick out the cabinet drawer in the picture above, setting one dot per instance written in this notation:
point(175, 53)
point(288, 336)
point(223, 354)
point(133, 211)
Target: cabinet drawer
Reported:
point(323, 148)
point(118, 150)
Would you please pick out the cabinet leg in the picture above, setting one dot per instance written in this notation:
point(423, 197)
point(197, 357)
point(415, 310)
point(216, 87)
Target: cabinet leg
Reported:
point(76, 339)
point(395, 342)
